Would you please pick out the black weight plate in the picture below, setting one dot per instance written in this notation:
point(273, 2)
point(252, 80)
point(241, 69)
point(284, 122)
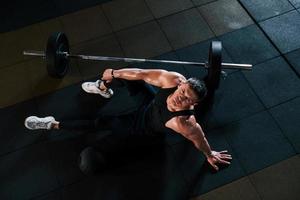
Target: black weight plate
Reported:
point(212, 79)
point(214, 65)
point(57, 64)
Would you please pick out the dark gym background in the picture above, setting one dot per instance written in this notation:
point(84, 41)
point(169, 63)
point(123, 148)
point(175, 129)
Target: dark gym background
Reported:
point(255, 116)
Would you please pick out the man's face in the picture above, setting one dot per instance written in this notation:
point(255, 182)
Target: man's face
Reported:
point(184, 96)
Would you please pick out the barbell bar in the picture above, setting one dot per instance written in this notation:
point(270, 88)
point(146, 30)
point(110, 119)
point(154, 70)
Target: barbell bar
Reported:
point(138, 60)
point(57, 56)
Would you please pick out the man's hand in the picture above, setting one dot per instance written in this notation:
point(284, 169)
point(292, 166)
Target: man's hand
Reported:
point(107, 75)
point(221, 157)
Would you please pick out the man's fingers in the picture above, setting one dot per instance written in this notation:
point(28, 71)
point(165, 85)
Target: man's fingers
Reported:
point(224, 151)
point(225, 154)
point(224, 161)
point(215, 167)
point(226, 157)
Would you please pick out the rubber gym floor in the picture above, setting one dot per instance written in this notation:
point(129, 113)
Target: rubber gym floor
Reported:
point(256, 114)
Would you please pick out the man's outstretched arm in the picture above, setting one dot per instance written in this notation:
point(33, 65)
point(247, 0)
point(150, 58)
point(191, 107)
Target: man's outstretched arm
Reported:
point(157, 77)
point(190, 129)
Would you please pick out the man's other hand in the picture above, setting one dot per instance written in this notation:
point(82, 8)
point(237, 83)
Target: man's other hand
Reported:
point(216, 157)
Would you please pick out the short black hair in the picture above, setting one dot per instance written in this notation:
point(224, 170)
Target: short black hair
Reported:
point(198, 86)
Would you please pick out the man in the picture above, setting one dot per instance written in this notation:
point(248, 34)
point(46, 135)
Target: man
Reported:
point(171, 109)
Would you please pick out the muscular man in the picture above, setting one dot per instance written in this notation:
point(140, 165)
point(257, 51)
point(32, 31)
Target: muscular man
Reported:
point(170, 110)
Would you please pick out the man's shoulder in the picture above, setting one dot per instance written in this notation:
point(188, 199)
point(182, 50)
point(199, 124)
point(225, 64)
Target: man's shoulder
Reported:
point(183, 124)
point(185, 121)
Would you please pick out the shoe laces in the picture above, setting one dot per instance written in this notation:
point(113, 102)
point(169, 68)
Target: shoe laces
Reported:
point(42, 124)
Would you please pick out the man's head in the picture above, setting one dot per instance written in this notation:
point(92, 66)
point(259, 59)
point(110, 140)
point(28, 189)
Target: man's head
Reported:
point(198, 86)
point(189, 93)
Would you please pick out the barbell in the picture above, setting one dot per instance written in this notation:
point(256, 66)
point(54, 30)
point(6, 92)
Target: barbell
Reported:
point(57, 57)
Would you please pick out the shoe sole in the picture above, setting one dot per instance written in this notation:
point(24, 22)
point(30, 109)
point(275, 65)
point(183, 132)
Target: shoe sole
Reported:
point(37, 118)
point(85, 88)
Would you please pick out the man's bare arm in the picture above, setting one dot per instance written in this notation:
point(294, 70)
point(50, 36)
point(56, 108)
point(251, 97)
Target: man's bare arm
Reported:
point(156, 77)
point(190, 129)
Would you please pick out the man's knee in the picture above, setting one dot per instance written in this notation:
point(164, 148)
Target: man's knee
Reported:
point(91, 161)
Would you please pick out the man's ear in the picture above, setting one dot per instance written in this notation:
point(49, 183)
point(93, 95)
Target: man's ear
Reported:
point(179, 84)
point(180, 81)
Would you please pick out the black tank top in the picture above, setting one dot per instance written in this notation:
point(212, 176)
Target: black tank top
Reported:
point(157, 113)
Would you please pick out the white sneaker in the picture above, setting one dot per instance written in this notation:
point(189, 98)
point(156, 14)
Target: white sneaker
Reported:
point(93, 87)
point(34, 122)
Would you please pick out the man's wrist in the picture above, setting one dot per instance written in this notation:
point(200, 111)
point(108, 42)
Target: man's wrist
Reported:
point(208, 154)
point(112, 73)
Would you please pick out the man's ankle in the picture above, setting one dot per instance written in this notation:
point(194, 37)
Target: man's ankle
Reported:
point(55, 125)
point(102, 86)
